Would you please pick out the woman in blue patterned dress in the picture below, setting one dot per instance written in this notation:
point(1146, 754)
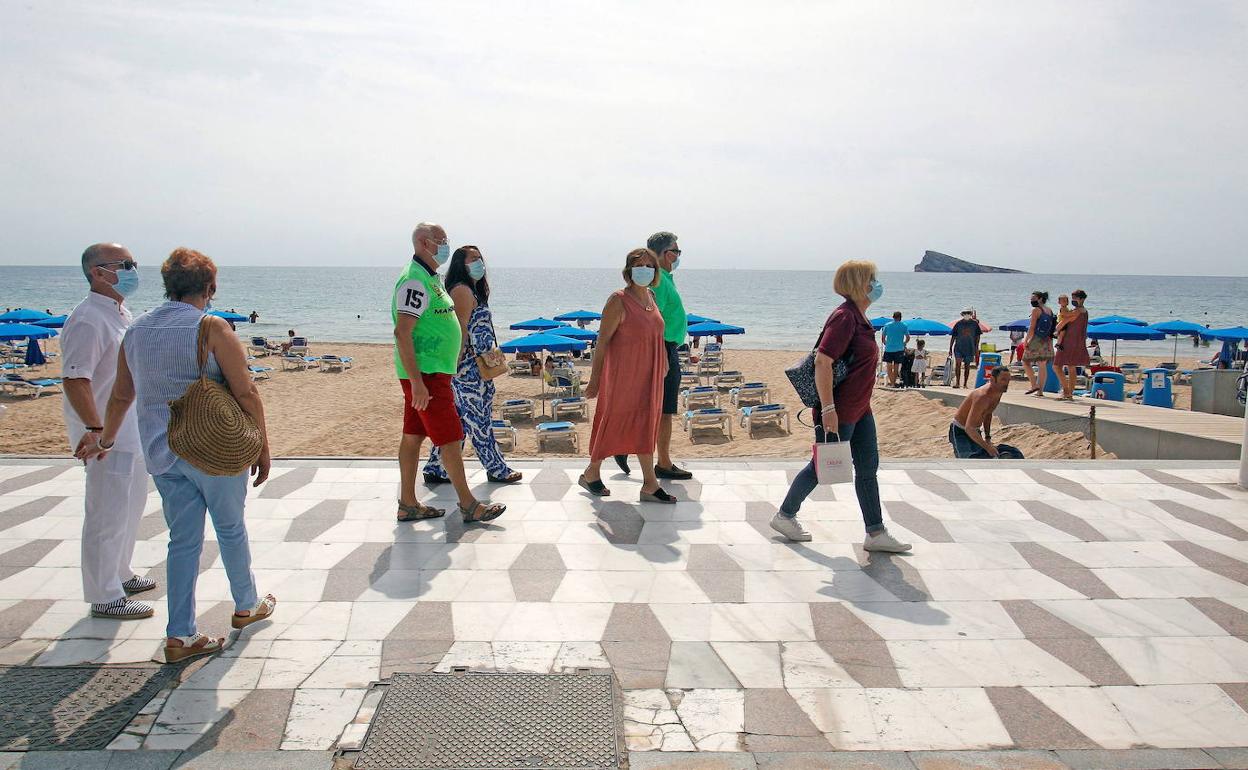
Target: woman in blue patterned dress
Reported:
point(474, 397)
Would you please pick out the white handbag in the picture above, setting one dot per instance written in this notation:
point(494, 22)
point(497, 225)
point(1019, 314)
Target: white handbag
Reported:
point(833, 462)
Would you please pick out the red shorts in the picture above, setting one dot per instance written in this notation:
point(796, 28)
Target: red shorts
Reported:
point(440, 421)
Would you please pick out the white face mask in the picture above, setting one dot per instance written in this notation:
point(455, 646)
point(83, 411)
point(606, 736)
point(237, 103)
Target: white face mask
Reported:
point(643, 275)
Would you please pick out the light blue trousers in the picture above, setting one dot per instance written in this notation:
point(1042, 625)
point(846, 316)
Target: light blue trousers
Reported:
point(187, 493)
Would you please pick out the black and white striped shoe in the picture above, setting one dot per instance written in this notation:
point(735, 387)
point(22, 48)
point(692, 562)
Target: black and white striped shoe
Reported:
point(137, 585)
point(122, 609)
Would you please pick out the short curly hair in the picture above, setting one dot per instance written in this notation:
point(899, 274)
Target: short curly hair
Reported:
point(187, 273)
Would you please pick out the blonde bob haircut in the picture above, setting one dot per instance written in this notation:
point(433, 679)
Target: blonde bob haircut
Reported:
point(633, 259)
point(853, 279)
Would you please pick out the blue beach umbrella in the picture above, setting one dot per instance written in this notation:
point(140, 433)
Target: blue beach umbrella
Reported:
point(34, 356)
point(573, 333)
point(1177, 329)
point(714, 329)
point(579, 315)
point(55, 322)
point(693, 319)
point(1230, 334)
point(881, 322)
point(24, 332)
point(921, 326)
point(536, 324)
point(227, 315)
point(536, 343)
point(1122, 331)
point(1021, 325)
point(23, 315)
point(1117, 319)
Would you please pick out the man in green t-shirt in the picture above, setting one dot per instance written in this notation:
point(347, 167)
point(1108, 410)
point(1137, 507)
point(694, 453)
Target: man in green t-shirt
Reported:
point(427, 346)
point(675, 330)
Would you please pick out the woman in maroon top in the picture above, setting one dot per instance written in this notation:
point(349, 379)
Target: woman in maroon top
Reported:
point(847, 332)
point(1072, 351)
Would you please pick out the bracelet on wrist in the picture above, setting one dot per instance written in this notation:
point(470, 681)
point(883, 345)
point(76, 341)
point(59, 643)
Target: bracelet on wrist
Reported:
point(94, 429)
point(111, 444)
point(830, 408)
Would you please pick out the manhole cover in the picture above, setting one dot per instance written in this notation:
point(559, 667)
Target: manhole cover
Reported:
point(72, 707)
point(486, 721)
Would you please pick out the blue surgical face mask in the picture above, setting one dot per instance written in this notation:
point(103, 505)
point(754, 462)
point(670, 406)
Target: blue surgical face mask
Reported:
point(127, 281)
point(676, 263)
point(643, 275)
point(476, 270)
point(876, 291)
point(443, 253)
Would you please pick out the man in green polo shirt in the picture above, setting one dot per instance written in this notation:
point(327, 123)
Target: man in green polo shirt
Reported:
point(427, 346)
point(675, 330)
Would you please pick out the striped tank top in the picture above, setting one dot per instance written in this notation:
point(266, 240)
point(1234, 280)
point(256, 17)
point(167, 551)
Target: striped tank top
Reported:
point(160, 351)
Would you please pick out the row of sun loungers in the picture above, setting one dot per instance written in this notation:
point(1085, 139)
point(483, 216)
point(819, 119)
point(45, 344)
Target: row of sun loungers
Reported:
point(20, 386)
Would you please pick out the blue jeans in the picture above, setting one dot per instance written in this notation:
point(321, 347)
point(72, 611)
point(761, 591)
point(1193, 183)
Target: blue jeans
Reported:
point(964, 447)
point(865, 450)
point(186, 493)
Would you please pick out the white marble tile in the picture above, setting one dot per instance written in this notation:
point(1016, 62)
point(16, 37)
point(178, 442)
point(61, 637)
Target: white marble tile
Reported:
point(1180, 659)
point(345, 672)
point(1122, 554)
point(1168, 582)
point(822, 586)
point(188, 714)
point(941, 556)
point(1093, 713)
point(289, 663)
point(651, 724)
point(325, 620)
point(1134, 617)
point(574, 655)
point(808, 665)
point(713, 718)
point(374, 620)
point(754, 664)
point(317, 718)
point(995, 584)
point(1182, 716)
point(226, 674)
point(533, 657)
point(938, 620)
point(980, 663)
point(905, 720)
point(476, 656)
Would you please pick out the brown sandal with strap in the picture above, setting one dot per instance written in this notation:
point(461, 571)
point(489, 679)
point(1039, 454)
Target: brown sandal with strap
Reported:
point(481, 512)
point(419, 512)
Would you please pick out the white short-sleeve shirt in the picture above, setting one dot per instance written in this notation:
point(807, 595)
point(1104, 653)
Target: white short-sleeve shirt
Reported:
point(90, 343)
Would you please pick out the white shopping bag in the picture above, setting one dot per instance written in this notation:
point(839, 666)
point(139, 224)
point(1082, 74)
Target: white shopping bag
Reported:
point(833, 464)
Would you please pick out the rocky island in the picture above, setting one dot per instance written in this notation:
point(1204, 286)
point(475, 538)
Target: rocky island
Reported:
point(935, 262)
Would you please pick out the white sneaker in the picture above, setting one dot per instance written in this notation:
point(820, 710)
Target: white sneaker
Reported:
point(790, 527)
point(884, 542)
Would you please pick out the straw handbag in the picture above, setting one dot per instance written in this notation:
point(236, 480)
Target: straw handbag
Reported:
point(208, 428)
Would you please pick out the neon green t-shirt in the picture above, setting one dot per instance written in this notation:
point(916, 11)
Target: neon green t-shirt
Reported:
point(675, 321)
point(437, 336)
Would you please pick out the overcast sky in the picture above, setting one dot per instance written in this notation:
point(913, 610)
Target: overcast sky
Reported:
point(1052, 137)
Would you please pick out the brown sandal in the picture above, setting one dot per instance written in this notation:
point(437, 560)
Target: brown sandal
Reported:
point(481, 512)
point(192, 647)
point(419, 512)
point(263, 609)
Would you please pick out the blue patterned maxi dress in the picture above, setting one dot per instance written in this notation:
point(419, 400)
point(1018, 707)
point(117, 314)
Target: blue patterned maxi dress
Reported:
point(474, 399)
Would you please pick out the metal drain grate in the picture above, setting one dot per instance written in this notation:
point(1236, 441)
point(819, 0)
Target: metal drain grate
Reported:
point(77, 708)
point(485, 721)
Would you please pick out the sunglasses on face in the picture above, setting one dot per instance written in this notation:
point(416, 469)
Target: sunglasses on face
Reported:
point(674, 251)
point(128, 264)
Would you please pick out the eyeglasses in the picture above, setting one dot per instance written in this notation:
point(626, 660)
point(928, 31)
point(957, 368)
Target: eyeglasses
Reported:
point(128, 264)
point(675, 251)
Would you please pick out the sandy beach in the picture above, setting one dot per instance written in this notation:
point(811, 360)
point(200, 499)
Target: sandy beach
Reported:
point(357, 413)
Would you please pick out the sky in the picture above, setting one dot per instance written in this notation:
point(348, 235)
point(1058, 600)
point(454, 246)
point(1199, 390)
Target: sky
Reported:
point(1067, 137)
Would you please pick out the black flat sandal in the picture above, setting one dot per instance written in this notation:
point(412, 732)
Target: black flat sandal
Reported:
point(595, 488)
point(431, 480)
point(514, 478)
point(657, 496)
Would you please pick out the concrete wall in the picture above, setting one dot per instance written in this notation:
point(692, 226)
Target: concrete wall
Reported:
point(1128, 442)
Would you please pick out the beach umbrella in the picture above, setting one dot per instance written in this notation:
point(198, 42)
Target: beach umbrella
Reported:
point(55, 322)
point(24, 332)
point(228, 315)
point(536, 343)
point(1230, 334)
point(573, 333)
point(1177, 328)
point(579, 315)
point(22, 315)
point(1117, 319)
point(1021, 325)
point(714, 329)
point(920, 326)
point(536, 324)
point(34, 356)
point(692, 319)
point(1122, 331)
point(983, 327)
point(881, 322)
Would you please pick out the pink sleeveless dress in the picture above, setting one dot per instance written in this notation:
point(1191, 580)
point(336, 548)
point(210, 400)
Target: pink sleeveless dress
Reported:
point(630, 392)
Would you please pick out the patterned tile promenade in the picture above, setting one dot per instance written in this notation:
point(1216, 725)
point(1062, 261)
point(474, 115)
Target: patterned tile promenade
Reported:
point(1046, 606)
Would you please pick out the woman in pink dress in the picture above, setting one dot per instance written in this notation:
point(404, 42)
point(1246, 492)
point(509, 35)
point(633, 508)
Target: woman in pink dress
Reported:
point(630, 362)
point(1072, 351)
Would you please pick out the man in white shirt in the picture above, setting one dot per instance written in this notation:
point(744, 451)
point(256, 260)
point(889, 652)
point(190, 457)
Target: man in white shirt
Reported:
point(116, 489)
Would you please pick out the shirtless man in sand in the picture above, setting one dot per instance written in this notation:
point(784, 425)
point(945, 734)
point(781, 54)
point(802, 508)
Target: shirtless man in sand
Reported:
point(969, 441)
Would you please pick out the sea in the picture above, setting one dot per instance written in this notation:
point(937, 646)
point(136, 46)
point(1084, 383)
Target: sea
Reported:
point(779, 309)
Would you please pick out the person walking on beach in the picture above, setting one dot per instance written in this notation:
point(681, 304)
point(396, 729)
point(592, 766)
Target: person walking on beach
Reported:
point(1072, 350)
point(116, 488)
point(474, 396)
point(427, 346)
point(970, 433)
point(894, 335)
point(675, 330)
point(160, 358)
point(964, 347)
point(1016, 340)
point(846, 406)
point(627, 379)
point(1038, 345)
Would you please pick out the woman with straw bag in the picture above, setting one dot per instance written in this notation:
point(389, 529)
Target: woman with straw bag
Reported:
point(201, 424)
